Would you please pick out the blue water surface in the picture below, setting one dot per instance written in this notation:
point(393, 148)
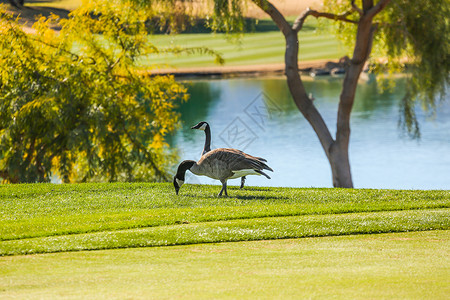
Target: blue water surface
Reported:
point(259, 117)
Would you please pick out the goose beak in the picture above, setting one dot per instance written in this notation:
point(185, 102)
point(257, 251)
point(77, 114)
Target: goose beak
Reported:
point(200, 126)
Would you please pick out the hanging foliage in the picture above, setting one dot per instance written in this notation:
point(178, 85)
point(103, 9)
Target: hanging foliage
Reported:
point(73, 105)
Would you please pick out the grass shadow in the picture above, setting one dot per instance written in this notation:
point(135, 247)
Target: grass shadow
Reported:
point(259, 197)
point(234, 196)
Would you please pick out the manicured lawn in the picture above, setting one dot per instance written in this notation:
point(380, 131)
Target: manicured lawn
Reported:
point(253, 49)
point(413, 265)
point(349, 243)
point(40, 218)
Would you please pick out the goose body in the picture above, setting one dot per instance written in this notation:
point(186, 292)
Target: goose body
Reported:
point(222, 164)
point(206, 128)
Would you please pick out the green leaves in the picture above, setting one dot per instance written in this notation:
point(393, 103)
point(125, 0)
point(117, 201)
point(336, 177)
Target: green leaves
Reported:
point(410, 37)
point(416, 33)
point(73, 104)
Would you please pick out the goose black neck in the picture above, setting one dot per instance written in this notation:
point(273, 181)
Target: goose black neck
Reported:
point(207, 147)
point(183, 167)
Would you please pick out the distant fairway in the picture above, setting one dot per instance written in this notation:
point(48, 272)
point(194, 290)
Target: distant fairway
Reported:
point(252, 49)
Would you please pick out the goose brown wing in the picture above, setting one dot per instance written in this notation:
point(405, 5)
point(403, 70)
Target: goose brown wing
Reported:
point(258, 162)
point(247, 155)
point(235, 160)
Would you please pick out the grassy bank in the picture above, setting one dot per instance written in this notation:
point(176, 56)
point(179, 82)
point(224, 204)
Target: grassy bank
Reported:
point(42, 218)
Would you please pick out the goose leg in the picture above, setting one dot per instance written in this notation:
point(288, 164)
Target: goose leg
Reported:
point(242, 181)
point(224, 188)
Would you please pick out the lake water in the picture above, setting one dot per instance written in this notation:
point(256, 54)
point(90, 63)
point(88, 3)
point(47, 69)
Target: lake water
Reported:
point(259, 117)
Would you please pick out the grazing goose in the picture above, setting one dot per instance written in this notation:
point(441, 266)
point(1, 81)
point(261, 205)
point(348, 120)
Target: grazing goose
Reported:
point(205, 127)
point(221, 164)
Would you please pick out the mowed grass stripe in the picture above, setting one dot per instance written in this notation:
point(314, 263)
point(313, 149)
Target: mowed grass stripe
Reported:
point(237, 230)
point(47, 210)
point(76, 224)
point(253, 48)
point(105, 207)
point(248, 39)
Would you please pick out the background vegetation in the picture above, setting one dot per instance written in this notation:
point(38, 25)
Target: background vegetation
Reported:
point(86, 114)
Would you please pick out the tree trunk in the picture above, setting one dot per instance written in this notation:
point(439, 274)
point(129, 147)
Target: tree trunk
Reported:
point(336, 151)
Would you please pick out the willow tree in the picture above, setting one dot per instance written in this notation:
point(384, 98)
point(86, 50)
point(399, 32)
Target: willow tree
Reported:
point(73, 102)
point(415, 31)
point(411, 31)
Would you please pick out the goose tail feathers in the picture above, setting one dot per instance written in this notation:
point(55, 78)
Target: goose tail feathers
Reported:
point(262, 173)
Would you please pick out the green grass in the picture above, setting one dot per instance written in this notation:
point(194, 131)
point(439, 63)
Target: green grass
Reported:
point(349, 243)
point(411, 265)
point(253, 49)
point(42, 218)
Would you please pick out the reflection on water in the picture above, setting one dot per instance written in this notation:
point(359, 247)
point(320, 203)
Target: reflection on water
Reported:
point(259, 117)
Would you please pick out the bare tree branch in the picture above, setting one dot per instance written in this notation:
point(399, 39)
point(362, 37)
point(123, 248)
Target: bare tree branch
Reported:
point(377, 8)
point(356, 8)
point(298, 24)
point(275, 14)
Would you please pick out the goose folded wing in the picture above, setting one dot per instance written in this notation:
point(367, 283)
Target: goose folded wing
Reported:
point(241, 161)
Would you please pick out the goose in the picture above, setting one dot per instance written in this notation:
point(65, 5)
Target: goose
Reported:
point(205, 127)
point(221, 164)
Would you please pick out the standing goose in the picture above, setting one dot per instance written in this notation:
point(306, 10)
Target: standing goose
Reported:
point(205, 127)
point(221, 164)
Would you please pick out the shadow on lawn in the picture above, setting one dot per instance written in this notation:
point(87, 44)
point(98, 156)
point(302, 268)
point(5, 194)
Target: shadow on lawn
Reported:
point(234, 196)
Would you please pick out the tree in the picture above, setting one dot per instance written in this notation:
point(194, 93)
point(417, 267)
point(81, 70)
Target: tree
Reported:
point(412, 30)
point(73, 103)
point(336, 149)
point(402, 18)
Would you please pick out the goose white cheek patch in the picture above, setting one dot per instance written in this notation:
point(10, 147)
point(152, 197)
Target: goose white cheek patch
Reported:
point(203, 127)
point(180, 182)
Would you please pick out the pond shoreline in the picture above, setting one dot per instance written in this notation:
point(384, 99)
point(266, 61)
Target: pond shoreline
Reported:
point(308, 67)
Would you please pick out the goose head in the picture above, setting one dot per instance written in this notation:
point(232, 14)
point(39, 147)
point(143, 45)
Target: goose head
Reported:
point(178, 179)
point(201, 126)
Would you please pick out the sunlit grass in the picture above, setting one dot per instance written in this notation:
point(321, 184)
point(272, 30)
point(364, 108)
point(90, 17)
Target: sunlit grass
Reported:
point(49, 217)
point(252, 49)
point(236, 230)
point(63, 4)
point(411, 265)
